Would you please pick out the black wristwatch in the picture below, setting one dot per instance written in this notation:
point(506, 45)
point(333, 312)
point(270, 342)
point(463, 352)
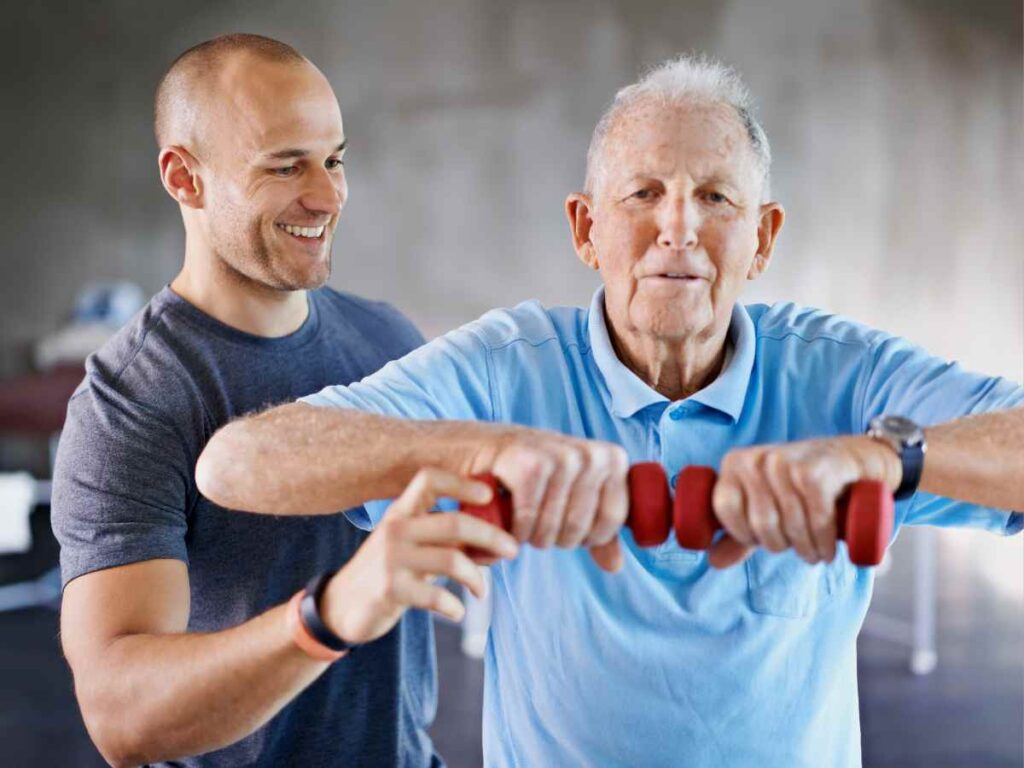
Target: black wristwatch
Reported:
point(309, 612)
point(907, 439)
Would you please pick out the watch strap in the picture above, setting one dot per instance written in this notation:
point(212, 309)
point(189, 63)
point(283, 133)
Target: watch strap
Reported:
point(912, 459)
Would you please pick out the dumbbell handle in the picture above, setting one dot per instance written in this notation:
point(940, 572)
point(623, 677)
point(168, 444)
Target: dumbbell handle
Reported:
point(864, 513)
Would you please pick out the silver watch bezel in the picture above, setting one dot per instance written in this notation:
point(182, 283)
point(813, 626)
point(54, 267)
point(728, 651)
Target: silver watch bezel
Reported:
point(898, 431)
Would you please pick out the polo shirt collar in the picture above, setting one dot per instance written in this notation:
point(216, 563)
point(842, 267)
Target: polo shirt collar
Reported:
point(629, 393)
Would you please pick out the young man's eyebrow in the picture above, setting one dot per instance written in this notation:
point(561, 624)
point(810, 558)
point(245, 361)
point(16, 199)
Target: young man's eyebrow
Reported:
point(290, 154)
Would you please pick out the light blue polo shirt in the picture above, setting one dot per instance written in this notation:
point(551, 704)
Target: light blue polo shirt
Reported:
point(667, 662)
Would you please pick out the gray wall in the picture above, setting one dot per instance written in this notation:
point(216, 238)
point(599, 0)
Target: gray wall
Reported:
point(896, 127)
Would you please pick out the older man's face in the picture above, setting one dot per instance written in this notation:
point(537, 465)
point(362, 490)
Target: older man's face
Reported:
point(675, 219)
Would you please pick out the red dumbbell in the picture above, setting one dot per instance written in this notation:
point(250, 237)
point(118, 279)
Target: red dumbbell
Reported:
point(864, 521)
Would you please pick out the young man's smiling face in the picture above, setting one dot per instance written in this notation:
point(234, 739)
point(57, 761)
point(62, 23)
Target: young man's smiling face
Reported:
point(274, 175)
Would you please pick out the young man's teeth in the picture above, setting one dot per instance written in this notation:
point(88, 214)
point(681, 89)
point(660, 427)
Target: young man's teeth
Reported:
point(314, 232)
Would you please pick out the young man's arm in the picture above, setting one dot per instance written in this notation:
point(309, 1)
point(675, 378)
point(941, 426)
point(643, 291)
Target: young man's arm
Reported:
point(150, 691)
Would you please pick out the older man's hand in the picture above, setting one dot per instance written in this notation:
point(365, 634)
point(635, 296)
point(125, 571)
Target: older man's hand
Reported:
point(566, 491)
point(781, 496)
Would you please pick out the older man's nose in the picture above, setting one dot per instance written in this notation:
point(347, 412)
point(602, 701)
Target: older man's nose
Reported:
point(678, 226)
point(324, 193)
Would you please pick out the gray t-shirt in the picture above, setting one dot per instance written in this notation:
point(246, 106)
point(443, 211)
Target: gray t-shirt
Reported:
point(124, 491)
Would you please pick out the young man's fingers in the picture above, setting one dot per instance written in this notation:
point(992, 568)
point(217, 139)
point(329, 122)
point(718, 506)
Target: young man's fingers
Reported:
point(461, 530)
point(413, 592)
point(430, 484)
point(449, 562)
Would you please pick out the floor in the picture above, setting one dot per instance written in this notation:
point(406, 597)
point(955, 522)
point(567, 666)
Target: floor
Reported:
point(969, 712)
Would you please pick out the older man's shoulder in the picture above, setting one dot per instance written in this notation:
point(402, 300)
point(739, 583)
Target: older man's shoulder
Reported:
point(786, 320)
point(530, 322)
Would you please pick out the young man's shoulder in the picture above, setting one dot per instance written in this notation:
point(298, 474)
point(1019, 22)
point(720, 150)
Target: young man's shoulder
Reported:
point(370, 316)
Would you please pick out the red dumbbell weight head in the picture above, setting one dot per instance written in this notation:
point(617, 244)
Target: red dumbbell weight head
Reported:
point(649, 503)
point(498, 511)
point(864, 520)
point(692, 515)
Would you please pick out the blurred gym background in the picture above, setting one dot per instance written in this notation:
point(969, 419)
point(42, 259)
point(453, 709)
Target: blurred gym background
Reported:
point(896, 128)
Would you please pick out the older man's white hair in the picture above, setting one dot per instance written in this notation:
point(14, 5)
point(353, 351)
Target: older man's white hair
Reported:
point(684, 80)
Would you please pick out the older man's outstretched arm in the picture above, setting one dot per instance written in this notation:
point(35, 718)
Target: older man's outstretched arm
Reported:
point(302, 459)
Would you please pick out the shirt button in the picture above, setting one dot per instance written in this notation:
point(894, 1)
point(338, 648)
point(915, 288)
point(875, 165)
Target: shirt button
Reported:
point(672, 481)
point(677, 414)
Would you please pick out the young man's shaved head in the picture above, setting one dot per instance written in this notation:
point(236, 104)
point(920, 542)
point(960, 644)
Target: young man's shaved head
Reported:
point(189, 82)
point(252, 149)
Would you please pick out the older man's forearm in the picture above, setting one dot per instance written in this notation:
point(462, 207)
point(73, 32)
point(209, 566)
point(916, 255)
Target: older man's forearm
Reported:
point(300, 459)
point(979, 459)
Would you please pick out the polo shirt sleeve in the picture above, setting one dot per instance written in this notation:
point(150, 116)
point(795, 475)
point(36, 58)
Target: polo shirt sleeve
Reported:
point(447, 378)
point(904, 379)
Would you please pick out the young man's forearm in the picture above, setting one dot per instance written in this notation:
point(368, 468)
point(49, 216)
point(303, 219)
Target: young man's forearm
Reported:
point(147, 698)
point(300, 459)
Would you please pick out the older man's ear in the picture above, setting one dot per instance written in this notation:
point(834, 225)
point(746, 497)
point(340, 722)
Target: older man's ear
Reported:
point(772, 216)
point(577, 210)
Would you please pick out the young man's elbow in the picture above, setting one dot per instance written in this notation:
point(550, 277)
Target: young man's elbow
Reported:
point(121, 743)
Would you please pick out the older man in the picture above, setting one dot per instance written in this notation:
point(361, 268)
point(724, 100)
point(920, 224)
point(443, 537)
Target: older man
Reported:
point(667, 662)
point(178, 617)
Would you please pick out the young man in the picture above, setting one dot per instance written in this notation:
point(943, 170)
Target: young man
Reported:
point(176, 617)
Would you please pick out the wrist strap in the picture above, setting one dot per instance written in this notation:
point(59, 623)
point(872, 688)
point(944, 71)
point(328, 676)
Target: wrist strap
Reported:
point(308, 630)
point(309, 612)
point(912, 459)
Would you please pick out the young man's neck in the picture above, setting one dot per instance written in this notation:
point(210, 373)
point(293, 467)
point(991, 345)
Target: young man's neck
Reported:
point(241, 303)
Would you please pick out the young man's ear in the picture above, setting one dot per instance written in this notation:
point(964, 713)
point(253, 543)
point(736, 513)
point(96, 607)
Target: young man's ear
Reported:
point(180, 177)
point(770, 223)
point(577, 209)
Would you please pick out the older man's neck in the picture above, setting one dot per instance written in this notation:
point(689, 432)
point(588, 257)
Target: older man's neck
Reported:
point(675, 370)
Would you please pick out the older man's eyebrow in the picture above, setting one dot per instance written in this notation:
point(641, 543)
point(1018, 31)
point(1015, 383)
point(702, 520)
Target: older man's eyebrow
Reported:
point(295, 153)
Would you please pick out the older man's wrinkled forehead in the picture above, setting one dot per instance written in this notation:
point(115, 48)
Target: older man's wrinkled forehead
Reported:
point(658, 138)
point(250, 103)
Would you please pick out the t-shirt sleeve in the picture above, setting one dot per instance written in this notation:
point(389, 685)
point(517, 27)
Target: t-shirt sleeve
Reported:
point(448, 378)
point(904, 379)
point(120, 485)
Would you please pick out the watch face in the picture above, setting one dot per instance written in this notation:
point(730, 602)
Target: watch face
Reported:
point(902, 429)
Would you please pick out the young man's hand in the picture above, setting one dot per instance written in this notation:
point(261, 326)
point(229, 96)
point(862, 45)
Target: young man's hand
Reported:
point(396, 567)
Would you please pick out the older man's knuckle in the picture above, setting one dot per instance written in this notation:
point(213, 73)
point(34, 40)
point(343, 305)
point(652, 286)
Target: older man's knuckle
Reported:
point(731, 462)
point(800, 476)
point(573, 461)
point(771, 459)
